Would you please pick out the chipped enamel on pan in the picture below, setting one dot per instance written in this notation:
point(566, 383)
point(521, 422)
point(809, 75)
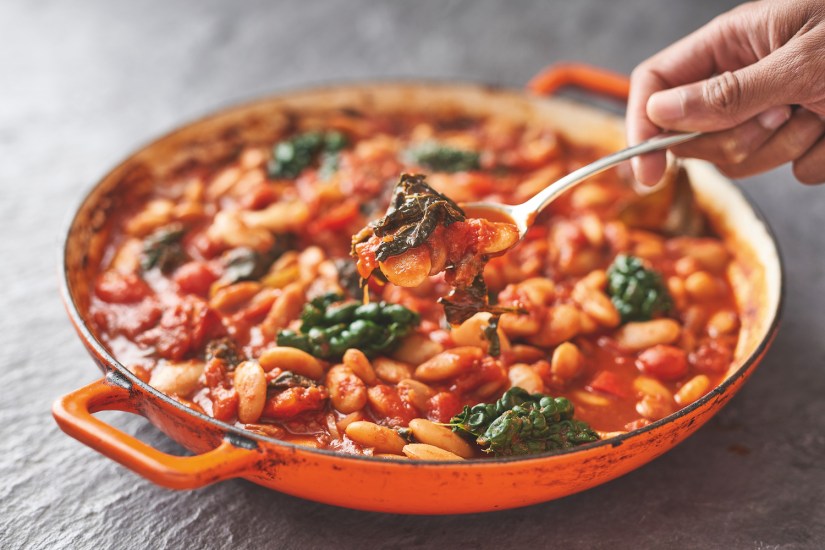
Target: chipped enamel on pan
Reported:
point(224, 451)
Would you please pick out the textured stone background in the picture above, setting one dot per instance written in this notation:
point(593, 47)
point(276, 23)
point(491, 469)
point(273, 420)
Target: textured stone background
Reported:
point(82, 83)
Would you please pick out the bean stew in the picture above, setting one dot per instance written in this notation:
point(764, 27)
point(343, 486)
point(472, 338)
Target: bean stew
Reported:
point(230, 287)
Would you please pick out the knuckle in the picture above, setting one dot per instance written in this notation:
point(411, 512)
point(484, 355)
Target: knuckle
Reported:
point(722, 93)
point(640, 71)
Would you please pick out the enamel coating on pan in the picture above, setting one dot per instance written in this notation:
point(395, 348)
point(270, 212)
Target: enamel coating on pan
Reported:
point(224, 451)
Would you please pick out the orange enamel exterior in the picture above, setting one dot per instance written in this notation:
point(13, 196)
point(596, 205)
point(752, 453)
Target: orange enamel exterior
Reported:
point(223, 451)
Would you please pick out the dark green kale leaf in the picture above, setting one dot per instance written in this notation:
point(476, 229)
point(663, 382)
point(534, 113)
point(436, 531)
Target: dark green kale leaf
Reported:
point(330, 326)
point(638, 293)
point(443, 158)
point(246, 264)
point(521, 423)
point(415, 211)
point(292, 156)
point(491, 334)
point(243, 264)
point(349, 278)
point(289, 379)
point(225, 349)
point(164, 249)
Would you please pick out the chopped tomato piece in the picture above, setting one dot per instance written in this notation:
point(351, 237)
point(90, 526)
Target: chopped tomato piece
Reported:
point(339, 217)
point(293, 401)
point(260, 196)
point(214, 373)
point(486, 371)
point(195, 278)
point(200, 245)
point(183, 327)
point(608, 382)
point(129, 320)
point(224, 403)
point(663, 362)
point(388, 406)
point(443, 406)
point(121, 288)
point(712, 356)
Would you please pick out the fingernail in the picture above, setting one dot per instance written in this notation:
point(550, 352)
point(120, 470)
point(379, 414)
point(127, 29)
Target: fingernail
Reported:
point(665, 106)
point(641, 175)
point(636, 164)
point(774, 117)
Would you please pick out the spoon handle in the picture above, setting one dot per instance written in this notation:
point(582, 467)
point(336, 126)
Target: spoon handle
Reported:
point(549, 194)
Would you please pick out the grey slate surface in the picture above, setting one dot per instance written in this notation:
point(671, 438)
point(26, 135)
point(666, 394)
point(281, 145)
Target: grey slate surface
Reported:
point(82, 83)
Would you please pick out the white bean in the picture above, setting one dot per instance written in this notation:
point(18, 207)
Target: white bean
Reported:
point(471, 332)
point(346, 391)
point(524, 377)
point(562, 323)
point(360, 365)
point(408, 269)
point(567, 362)
point(380, 438)
point(291, 359)
point(250, 383)
point(693, 389)
point(638, 336)
point(416, 348)
point(448, 364)
point(417, 393)
point(176, 377)
point(702, 286)
point(422, 451)
point(439, 436)
point(596, 303)
point(390, 370)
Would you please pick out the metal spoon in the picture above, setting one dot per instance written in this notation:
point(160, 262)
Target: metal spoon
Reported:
point(522, 215)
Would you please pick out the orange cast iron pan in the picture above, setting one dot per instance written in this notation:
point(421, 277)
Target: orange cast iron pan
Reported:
point(222, 451)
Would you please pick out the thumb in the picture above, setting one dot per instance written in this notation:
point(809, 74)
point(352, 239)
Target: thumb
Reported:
point(723, 101)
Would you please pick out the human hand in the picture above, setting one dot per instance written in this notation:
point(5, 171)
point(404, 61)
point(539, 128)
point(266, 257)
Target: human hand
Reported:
point(754, 78)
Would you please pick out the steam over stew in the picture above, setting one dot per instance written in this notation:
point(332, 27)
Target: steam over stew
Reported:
point(229, 286)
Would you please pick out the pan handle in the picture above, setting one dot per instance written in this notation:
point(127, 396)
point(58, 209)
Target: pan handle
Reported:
point(73, 413)
point(593, 79)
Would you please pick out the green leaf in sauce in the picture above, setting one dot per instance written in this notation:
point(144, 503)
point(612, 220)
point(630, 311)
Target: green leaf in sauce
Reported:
point(163, 249)
point(292, 156)
point(638, 293)
point(521, 423)
point(443, 158)
point(330, 326)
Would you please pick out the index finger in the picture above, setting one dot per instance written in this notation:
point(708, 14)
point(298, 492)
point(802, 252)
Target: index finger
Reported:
point(688, 60)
